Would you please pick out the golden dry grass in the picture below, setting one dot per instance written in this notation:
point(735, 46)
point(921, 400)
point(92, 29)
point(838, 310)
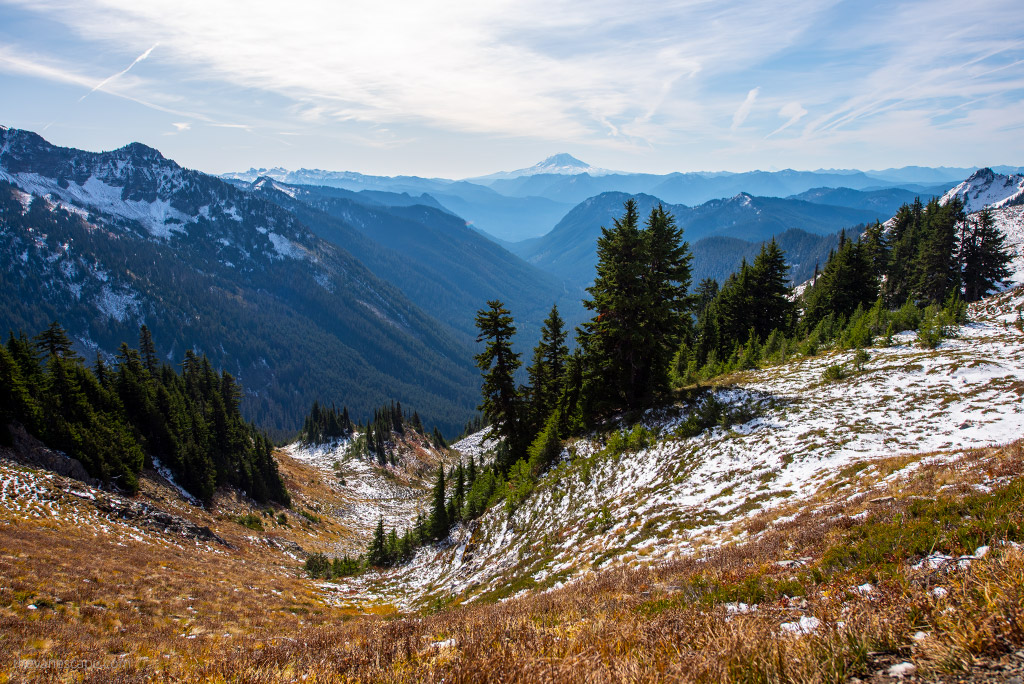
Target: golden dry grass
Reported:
point(132, 605)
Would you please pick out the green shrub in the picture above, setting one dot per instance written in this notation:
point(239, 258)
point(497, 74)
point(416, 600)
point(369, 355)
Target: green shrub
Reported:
point(318, 566)
point(520, 485)
point(834, 372)
point(250, 520)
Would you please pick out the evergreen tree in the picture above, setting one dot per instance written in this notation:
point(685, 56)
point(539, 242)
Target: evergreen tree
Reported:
point(439, 524)
point(983, 255)
point(501, 402)
point(705, 293)
point(876, 249)
point(547, 370)
point(16, 404)
point(147, 350)
point(377, 553)
point(772, 309)
point(667, 274)
point(54, 342)
point(938, 273)
point(848, 282)
point(905, 238)
point(459, 495)
point(726, 321)
point(640, 305)
point(546, 447)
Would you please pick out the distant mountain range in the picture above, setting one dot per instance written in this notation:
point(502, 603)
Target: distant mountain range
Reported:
point(737, 226)
point(512, 206)
point(361, 289)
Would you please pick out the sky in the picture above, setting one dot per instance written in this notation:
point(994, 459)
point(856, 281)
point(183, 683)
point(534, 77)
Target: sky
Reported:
point(464, 88)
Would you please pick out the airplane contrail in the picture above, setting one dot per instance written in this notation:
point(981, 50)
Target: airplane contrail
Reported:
point(105, 81)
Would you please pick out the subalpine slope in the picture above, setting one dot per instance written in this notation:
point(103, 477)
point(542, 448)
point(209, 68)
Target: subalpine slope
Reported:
point(652, 490)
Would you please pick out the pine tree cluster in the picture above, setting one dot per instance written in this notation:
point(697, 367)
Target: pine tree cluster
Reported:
point(325, 424)
point(649, 333)
point(117, 418)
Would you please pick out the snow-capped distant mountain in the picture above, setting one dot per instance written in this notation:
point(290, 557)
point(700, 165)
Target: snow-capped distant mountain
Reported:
point(986, 188)
point(562, 164)
point(277, 173)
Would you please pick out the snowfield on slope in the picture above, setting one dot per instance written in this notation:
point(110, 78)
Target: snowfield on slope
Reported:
point(681, 494)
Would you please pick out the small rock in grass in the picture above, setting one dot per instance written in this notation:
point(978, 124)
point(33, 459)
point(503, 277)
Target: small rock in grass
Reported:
point(902, 670)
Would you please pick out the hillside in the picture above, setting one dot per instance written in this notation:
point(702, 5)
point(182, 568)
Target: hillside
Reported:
point(122, 238)
point(661, 493)
point(753, 542)
point(430, 255)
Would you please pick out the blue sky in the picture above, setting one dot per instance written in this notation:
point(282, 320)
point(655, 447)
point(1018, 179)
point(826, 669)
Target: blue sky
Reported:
point(458, 89)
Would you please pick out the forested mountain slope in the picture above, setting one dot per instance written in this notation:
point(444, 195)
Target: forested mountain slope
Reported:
point(432, 256)
point(105, 242)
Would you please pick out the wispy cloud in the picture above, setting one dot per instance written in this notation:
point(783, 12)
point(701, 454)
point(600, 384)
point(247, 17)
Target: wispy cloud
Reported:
point(124, 71)
point(743, 111)
point(665, 77)
point(791, 112)
point(533, 68)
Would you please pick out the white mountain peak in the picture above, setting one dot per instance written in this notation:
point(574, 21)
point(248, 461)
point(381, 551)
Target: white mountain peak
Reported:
point(562, 164)
point(986, 188)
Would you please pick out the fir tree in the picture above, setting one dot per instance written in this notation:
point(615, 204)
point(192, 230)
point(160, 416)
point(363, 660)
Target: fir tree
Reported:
point(546, 447)
point(54, 342)
point(876, 249)
point(501, 402)
point(983, 255)
point(377, 553)
point(640, 305)
point(705, 293)
point(772, 309)
point(439, 524)
point(938, 273)
point(547, 370)
point(147, 350)
point(847, 282)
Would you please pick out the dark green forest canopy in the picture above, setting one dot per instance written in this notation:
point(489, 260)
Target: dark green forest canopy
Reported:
point(117, 417)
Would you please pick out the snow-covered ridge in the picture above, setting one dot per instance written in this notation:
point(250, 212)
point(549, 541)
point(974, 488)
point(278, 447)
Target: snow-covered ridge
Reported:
point(985, 188)
point(158, 216)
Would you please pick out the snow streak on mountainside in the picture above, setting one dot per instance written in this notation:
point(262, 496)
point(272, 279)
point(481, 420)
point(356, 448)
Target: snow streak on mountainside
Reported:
point(1010, 220)
point(985, 188)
